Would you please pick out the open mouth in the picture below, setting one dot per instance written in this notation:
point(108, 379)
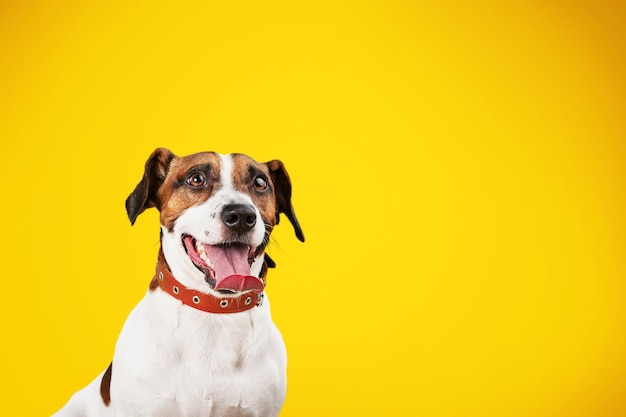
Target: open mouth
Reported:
point(226, 266)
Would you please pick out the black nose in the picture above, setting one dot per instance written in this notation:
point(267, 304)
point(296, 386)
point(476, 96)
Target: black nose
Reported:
point(239, 218)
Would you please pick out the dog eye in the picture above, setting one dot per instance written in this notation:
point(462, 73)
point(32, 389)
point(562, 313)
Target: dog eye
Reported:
point(197, 179)
point(260, 184)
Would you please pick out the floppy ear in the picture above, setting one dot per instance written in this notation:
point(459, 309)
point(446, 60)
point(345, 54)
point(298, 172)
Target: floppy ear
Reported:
point(282, 189)
point(145, 194)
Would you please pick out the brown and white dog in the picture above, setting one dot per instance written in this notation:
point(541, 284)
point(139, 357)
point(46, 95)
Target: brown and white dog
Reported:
point(201, 343)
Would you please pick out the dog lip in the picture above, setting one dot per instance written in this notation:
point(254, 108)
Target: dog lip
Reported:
point(209, 274)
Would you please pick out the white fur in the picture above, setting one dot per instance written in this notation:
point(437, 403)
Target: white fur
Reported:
point(173, 360)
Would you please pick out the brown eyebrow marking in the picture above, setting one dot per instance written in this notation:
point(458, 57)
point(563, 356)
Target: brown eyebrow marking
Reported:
point(205, 168)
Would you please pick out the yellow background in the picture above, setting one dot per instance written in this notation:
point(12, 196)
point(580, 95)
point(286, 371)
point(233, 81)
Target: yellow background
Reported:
point(458, 172)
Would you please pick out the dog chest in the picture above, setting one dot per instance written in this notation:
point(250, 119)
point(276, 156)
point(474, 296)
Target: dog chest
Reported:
point(173, 360)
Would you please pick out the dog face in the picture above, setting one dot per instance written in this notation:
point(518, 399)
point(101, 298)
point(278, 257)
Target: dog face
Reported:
point(217, 212)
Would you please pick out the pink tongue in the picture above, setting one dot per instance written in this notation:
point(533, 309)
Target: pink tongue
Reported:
point(232, 271)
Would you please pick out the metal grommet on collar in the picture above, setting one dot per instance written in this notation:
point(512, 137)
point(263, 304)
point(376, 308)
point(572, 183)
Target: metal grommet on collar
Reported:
point(248, 301)
point(196, 299)
point(160, 276)
point(224, 303)
point(260, 298)
point(175, 289)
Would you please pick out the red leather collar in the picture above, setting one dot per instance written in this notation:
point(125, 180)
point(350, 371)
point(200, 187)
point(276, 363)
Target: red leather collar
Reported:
point(200, 300)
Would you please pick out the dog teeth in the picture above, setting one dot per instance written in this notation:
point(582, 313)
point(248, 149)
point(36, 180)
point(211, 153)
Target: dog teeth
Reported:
point(202, 253)
point(200, 248)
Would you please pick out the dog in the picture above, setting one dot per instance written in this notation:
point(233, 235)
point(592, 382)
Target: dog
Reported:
point(201, 343)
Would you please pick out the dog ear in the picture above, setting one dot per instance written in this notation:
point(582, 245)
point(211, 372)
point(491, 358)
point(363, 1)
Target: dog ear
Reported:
point(145, 194)
point(282, 189)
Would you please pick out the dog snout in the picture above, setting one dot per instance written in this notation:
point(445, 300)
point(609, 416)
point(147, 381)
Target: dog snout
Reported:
point(240, 218)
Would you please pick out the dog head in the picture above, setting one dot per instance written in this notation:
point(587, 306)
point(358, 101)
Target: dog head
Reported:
point(217, 213)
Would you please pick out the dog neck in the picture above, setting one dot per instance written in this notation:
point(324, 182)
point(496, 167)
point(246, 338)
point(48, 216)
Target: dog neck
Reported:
point(202, 301)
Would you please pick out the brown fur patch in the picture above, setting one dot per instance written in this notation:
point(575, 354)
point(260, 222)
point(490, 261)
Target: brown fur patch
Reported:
point(105, 385)
point(176, 195)
point(154, 284)
point(245, 170)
